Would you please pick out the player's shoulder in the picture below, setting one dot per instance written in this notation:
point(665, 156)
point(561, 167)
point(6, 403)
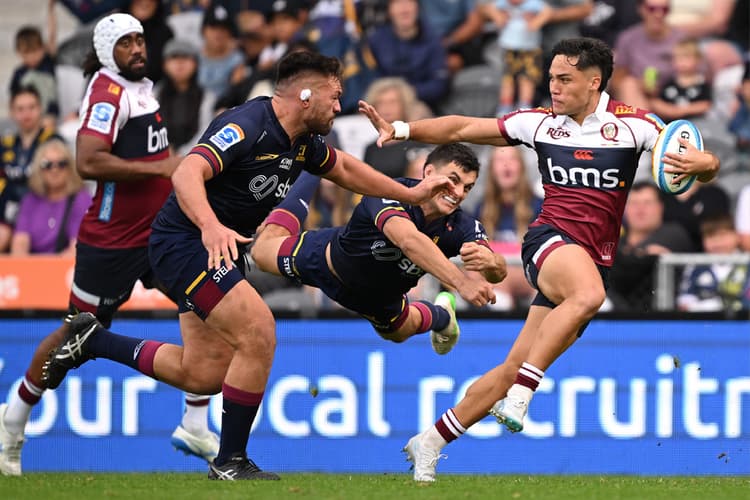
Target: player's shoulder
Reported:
point(539, 111)
point(104, 88)
point(629, 113)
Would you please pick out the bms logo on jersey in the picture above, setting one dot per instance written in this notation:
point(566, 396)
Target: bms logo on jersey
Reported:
point(608, 178)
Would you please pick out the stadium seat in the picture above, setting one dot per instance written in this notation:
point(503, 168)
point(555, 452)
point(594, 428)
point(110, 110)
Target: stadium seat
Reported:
point(473, 93)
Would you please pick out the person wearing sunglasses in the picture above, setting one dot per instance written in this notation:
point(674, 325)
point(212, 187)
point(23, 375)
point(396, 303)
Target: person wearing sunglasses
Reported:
point(52, 210)
point(643, 55)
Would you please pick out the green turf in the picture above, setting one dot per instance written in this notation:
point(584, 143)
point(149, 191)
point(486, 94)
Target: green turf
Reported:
point(86, 486)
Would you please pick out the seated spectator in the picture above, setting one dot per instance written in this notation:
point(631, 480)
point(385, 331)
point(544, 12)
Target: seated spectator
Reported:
point(407, 47)
point(52, 210)
point(709, 20)
point(186, 107)
point(153, 16)
point(219, 59)
point(395, 100)
point(688, 93)
point(742, 218)
point(17, 149)
point(508, 207)
point(716, 287)
point(689, 209)
point(520, 23)
point(608, 19)
point(37, 68)
point(643, 55)
point(460, 26)
point(740, 122)
point(285, 24)
point(645, 237)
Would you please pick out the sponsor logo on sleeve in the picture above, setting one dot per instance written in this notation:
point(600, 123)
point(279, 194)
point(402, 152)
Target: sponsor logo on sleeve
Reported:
point(101, 118)
point(227, 137)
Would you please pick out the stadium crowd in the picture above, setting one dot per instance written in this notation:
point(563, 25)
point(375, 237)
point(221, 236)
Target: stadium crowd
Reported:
point(414, 59)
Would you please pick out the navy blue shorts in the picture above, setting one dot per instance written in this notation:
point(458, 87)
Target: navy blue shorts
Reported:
point(103, 279)
point(180, 262)
point(303, 259)
point(537, 245)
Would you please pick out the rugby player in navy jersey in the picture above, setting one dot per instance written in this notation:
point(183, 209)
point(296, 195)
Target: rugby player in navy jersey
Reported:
point(588, 147)
point(369, 265)
point(122, 145)
point(242, 167)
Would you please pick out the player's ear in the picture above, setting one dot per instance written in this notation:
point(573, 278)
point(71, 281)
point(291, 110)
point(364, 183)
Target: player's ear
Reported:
point(428, 169)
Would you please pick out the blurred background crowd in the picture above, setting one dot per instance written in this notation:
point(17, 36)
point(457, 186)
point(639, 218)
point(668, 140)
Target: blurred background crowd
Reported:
point(411, 59)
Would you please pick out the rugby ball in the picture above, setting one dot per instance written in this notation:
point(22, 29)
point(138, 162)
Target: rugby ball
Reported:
point(668, 142)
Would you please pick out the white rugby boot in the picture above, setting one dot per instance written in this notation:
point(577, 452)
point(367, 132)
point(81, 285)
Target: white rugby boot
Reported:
point(205, 446)
point(423, 457)
point(510, 412)
point(10, 448)
point(444, 340)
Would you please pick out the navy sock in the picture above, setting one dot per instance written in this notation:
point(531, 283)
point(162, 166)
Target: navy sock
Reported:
point(237, 419)
point(119, 348)
point(439, 316)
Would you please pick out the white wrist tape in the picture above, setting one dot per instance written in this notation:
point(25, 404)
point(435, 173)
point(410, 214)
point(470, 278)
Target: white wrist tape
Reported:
point(400, 130)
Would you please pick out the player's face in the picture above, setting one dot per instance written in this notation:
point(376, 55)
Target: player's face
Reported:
point(461, 184)
point(325, 104)
point(130, 56)
point(573, 92)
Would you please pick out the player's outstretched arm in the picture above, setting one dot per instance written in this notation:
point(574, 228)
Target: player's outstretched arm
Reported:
point(693, 161)
point(442, 130)
point(94, 160)
point(358, 176)
point(479, 258)
point(423, 252)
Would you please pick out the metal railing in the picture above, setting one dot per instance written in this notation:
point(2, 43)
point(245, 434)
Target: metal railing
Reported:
point(665, 272)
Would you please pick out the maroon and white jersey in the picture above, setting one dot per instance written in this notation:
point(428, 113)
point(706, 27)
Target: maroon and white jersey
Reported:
point(124, 114)
point(587, 170)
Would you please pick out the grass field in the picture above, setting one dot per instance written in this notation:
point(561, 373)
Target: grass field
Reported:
point(86, 486)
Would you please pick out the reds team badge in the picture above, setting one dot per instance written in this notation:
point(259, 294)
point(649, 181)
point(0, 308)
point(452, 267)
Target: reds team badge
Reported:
point(609, 131)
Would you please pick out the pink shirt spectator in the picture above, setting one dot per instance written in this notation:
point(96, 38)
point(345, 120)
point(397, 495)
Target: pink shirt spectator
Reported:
point(636, 52)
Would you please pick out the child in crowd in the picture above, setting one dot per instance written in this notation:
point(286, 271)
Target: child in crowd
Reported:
point(688, 93)
point(521, 22)
point(716, 287)
point(37, 68)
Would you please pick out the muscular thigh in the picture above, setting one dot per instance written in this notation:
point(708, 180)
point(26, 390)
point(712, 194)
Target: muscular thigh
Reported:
point(567, 270)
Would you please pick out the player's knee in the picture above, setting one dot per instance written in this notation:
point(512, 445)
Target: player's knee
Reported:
point(588, 301)
point(262, 256)
point(259, 335)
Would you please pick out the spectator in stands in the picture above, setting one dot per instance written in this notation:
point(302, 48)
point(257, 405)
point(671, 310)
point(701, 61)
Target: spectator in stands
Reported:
point(52, 210)
point(608, 19)
point(37, 66)
point(520, 23)
point(407, 47)
point(395, 99)
point(17, 149)
point(459, 24)
point(740, 122)
point(285, 23)
point(643, 55)
point(689, 209)
point(742, 218)
point(646, 236)
point(219, 58)
point(688, 93)
point(710, 21)
point(719, 286)
point(186, 107)
point(153, 18)
point(508, 207)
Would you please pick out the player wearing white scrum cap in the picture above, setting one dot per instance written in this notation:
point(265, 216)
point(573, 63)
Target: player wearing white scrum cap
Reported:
point(108, 31)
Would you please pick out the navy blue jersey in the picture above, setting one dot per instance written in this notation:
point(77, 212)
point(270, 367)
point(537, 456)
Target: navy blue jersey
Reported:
point(362, 255)
point(254, 165)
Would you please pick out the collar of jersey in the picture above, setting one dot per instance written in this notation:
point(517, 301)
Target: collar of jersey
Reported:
point(143, 83)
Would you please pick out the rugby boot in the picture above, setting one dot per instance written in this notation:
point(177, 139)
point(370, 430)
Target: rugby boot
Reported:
point(72, 351)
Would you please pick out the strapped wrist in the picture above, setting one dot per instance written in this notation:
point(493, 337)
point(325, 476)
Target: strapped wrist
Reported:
point(400, 130)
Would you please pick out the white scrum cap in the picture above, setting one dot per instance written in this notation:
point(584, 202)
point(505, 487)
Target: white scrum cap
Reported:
point(108, 31)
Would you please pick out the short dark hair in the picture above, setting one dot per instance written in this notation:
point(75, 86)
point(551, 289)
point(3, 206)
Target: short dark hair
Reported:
point(454, 152)
point(591, 52)
point(25, 89)
point(29, 37)
point(298, 62)
point(715, 223)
